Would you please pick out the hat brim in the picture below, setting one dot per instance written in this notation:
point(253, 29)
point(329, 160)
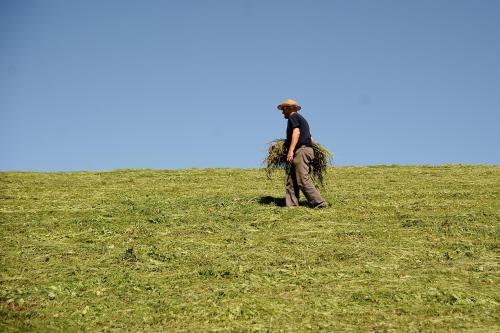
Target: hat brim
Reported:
point(298, 107)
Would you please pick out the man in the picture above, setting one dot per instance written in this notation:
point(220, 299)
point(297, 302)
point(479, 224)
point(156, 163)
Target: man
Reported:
point(300, 155)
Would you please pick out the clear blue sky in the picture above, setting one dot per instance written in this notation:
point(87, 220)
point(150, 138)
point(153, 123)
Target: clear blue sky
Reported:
point(102, 85)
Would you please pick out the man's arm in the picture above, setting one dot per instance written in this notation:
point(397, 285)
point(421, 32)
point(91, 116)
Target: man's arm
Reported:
point(293, 143)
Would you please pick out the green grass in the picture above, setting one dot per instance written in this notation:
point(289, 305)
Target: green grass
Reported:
point(401, 249)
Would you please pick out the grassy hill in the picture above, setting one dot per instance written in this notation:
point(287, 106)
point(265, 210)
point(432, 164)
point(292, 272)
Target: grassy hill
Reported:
point(401, 249)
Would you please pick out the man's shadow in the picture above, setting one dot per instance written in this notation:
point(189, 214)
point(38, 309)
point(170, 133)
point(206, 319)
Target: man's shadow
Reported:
point(279, 202)
point(269, 200)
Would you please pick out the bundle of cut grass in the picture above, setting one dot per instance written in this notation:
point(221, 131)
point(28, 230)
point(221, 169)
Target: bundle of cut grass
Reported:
point(276, 159)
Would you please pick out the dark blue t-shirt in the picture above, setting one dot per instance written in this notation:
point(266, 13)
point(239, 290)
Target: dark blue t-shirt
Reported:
point(297, 121)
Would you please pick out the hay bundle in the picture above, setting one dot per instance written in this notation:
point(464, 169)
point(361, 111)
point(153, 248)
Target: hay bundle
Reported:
point(276, 159)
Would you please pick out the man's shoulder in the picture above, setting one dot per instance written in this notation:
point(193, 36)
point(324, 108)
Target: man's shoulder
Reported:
point(300, 117)
point(296, 115)
point(294, 119)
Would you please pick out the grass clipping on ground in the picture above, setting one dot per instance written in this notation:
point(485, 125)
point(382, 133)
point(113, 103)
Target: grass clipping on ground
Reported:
point(276, 159)
point(407, 249)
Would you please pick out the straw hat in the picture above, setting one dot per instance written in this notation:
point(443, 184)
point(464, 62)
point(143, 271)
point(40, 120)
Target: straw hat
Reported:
point(289, 102)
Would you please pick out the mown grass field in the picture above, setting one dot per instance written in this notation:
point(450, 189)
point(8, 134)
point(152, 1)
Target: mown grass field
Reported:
point(402, 249)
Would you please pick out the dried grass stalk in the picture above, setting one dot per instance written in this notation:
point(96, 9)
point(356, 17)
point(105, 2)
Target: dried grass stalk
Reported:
point(276, 159)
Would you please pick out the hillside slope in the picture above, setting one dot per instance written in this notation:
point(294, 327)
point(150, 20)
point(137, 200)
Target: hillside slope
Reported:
point(401, 249)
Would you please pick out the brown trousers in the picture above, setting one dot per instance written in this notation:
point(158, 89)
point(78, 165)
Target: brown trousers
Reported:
point(298, 179)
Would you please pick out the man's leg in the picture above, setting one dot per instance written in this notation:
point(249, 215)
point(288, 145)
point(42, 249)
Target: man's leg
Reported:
point(292, 189)
point(301, 162)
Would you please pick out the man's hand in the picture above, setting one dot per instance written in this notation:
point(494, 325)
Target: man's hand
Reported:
point(293, 144)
